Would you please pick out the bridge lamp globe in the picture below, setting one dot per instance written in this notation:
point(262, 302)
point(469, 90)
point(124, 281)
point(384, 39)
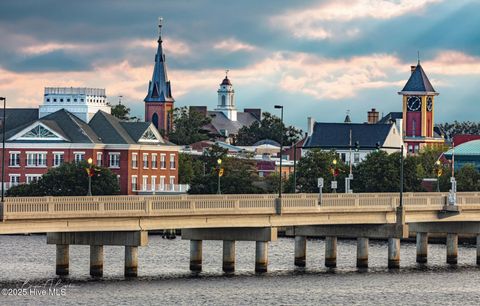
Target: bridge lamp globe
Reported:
point(334, 161)
point(437, 162)
point(90, 161)
point(219, 161)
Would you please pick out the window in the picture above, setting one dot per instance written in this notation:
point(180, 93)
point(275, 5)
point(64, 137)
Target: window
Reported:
point(154, 182)
point(416, 149)
point(57, 158)
point(114, 160)
point(172, 183)
point(79, 156)
point(99, 159)
point(134, 160)
point(163, 161)
point(154, 161)
point(162, 183)
point(54, 100)
point(68, 100)
point(61, 100)
point(38, 132)
point(145, 160)
point(14, 159)
point(81, 100)
point(144, 182)
point(75, 100)
point(32, 178)
point(36, 159)
point(48, 99)
point(343, 156)
point(134, 182)
point(223, 100)
point(14, 179)
point(172, 161)
point(410, 149)
point(356, 157)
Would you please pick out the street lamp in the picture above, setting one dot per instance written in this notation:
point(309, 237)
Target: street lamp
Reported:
point(281, 149)
point(3, 144)
point(90, 174)
point(439, 173)
point(219, 162)
point(334, 173)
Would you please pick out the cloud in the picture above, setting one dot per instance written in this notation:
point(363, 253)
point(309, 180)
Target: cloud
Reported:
point(233, 45)
point(454, 63)
point(325, 20)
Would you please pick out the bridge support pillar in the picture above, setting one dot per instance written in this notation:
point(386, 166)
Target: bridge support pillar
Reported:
point(452, 248)
point(261, 256)
point(131, 261)
point(330, 252)
point(422, 247)
point(362, 252)
point(96, 260)
point(63, 255)
point(478, 250)
point(195, 255)
point(228, 256)
point(393, 253)
point(300, 250)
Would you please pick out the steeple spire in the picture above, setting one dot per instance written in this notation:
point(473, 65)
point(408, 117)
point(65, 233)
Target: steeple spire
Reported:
point(159, 89)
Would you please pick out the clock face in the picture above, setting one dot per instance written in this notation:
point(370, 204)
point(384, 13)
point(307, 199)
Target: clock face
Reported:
point(429, 104)
point(414, 103)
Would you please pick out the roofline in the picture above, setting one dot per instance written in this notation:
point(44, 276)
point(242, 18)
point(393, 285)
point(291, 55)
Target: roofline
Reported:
point(425, 93)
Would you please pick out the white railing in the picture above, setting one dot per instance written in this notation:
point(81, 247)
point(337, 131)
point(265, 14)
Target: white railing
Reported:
point(31, 208)
point(176, 188)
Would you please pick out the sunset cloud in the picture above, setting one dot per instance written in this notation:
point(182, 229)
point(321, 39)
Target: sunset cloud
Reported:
point(233, 45)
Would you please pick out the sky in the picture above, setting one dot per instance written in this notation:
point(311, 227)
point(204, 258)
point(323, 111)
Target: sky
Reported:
point(316, 58)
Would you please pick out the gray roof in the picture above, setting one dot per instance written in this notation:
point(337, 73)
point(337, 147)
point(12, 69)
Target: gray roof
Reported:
point(338, 134)
point(221, 122)
point(135, 129)
point(16, 117)
point(418, 82)
point(390, 117)
point(109, 129)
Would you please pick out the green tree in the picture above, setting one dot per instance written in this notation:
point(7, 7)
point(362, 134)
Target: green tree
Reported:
point(315, 164)
point(379, 172)
point(188, 126)
point(188, 167)
point(122, 112)
point(69, 179)
point(270, 127)
point(468, 178)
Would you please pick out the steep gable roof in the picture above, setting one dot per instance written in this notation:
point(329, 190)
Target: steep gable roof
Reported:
point(221, 122)
point(418, 82)
point(338, 134)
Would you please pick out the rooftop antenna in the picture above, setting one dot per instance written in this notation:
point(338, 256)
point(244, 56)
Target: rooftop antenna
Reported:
point(120, 100)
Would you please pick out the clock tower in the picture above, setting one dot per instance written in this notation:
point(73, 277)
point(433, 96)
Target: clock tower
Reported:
point(418, 111)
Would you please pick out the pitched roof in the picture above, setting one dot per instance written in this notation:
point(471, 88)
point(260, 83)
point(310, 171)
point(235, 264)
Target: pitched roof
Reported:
point(135, 129)
point(418, 82)
point(390, 117)
point(16, 117)
point(221, 122)
point(338, 134)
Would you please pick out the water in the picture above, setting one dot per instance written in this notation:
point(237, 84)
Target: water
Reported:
point(164, 277)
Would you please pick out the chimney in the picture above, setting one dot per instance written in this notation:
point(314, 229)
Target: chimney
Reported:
point(412, 69)
point(310, 123)
point(199, 109)
point(372, 116)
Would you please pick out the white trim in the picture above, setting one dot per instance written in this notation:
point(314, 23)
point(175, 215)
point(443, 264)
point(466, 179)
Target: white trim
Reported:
point(78, 152)
point(15, 152)
point(111, 153)
point(58, 152)
point(89, 146)
point(19, 135)
point(35, 152)
point(155, 132)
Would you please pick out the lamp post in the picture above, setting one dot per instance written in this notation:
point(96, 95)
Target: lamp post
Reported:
point(219, 163)
point(90, 173)
point(439, 173)
point(281, 149)
point(3, 144)
point(335, 173)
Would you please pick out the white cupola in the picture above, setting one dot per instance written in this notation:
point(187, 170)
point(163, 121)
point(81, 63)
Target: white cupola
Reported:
point(226, 99)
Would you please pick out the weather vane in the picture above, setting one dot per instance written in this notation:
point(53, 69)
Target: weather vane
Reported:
point(160, 22)
point(226, 72)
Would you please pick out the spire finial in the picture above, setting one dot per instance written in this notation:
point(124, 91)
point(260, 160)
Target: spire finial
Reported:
point(226, 73)
point(160, 23)
point(418, 57)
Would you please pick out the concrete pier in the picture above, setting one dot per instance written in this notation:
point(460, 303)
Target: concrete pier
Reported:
point(478, 250)
point(261, 256)
point(96, 260)
point(228, 256)
point(393, 253)
point(195, 255)
point(131, 261)
point(62, 259)
point(362, 252)
point(452, 248)
point(422, 247)
point(330, 252)
point(300, 250)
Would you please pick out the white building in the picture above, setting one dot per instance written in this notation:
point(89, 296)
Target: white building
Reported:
point(82, 102)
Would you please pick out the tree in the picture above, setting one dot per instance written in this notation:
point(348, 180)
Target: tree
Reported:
point(69, 179)
point(188, 126)
point(458, 128)
point(188, 168)
point(468, 178)
point(270, 127)
point(315, 164)
point(379, 172)
point(122, 112)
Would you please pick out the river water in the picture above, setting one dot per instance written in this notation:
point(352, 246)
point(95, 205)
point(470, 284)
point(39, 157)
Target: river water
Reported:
point(164, 279)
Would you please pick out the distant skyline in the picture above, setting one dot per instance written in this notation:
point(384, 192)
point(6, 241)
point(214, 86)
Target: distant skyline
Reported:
point(317, 58)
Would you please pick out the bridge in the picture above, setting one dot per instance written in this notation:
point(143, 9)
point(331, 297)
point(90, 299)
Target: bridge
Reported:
point(125, 220)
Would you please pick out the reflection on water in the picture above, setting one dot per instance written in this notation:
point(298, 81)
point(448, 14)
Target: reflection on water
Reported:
point(164, 277)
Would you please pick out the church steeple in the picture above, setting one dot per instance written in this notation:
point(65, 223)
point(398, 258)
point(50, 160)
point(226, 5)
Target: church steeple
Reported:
point(159, 100)
point(159, 89)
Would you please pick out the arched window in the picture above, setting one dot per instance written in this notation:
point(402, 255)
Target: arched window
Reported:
point(223, 100)
point(155, 120)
